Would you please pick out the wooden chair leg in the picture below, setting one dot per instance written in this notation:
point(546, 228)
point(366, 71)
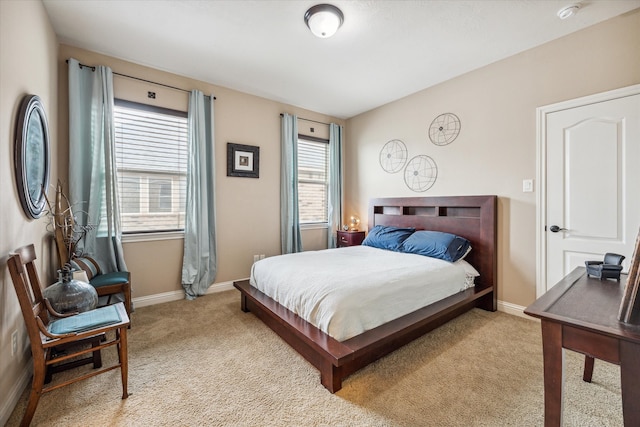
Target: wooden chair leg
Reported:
point(127, 298)
point(126, 290)
point(48, 373)
point(34, 396)
point(124, 361)
point(588, 368)
point(97, 356)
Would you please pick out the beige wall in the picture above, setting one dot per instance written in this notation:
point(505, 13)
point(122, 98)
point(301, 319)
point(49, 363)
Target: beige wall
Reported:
point(496, 148)
point(28, 56)
point(248, 210)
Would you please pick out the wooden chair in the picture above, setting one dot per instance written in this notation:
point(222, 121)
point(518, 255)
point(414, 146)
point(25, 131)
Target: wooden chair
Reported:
point(48, 329)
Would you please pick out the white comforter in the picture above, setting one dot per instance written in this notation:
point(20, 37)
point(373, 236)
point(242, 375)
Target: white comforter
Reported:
point(347, 291)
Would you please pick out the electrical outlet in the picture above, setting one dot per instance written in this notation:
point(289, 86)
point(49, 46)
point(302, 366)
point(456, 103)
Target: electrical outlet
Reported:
point(256, 258)
point(261, 256)
point(14, 343)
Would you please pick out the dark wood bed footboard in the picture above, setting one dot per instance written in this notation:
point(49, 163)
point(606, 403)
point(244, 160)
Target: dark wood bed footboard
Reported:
point(473, 217)
point(336, 360)
point(322, 351)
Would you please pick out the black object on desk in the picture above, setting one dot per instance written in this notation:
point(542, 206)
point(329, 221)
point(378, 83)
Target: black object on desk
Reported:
point(609, 269)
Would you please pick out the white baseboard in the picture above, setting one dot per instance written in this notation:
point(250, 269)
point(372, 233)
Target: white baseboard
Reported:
point(516, 310)
point(11, 400)
point(178, 295)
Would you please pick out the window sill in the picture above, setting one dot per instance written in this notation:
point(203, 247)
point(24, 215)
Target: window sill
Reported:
point(151, 237)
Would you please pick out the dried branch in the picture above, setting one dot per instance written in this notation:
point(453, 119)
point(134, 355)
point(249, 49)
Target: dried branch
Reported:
point(65, 227)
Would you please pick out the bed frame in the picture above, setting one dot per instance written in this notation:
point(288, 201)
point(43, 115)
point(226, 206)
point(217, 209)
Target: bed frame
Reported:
point(473, 217)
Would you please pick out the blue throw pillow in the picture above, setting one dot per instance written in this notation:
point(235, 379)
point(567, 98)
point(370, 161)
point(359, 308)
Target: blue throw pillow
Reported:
point(436, 244)
point(387, 237)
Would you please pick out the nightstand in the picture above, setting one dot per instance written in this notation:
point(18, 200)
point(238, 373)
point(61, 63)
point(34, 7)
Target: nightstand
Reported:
point(350, 238)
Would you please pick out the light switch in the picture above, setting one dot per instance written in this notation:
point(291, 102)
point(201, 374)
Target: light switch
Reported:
point(527, 185)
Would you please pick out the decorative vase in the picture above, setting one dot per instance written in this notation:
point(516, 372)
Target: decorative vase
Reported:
point(70, 295)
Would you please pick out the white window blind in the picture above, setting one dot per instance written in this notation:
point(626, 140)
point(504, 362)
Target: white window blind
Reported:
point(312, 180)
point(151, 159)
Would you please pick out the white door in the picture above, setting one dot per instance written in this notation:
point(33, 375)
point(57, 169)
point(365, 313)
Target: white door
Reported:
point(592, 183)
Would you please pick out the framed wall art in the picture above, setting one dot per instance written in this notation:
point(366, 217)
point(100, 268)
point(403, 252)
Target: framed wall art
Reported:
point(243, 160)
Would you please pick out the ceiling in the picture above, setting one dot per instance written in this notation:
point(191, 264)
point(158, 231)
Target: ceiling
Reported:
point(385, 50)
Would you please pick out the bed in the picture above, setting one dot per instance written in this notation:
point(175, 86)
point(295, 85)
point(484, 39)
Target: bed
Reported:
point(472, 217)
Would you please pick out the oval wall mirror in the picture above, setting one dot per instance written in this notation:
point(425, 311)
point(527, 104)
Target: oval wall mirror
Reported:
point(31, 152)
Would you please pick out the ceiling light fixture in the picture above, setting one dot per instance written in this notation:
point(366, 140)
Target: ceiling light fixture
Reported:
point(323, 20)
point(568, 11)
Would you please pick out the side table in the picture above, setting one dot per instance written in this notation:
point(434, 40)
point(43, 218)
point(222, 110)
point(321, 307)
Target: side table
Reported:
point(350, 238)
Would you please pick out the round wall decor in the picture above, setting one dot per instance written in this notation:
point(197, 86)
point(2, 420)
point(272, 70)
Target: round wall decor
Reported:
point(31, 155)
point(444, 129)
point(393, 156)
point(421, 173)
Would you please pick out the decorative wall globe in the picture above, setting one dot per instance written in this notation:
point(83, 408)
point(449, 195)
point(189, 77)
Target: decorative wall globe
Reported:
point(393, 156)
point(421, 173)
point(444, 129)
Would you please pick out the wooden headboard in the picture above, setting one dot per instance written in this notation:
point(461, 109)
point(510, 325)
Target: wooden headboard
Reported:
point(472, 217)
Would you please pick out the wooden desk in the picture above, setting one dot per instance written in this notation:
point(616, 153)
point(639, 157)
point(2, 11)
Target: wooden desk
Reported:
point(581, 314)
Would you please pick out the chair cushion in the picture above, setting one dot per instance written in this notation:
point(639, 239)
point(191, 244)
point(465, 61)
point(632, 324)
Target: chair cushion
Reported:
point(86, 321)
point(106, 279)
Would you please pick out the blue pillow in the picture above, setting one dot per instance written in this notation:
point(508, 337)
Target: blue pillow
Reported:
point(387, 237)
point(436, 244)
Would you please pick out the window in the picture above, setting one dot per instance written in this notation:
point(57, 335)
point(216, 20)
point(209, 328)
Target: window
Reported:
point(160, 197)
point(151, 159)
point(313, 163)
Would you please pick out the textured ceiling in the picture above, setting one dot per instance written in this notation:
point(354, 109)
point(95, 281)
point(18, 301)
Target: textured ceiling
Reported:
point(384, 51)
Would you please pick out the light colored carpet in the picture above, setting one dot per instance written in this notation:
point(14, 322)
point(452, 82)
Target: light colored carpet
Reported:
point(205, 363)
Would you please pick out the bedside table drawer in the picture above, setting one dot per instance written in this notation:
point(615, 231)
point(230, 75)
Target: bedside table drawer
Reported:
point(350, 238)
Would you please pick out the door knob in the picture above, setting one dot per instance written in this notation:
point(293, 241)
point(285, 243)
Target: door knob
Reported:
point(555, 229)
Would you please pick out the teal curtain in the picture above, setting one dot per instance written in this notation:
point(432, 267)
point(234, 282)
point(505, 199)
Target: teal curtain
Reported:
point(335, 184)
point(290, 238)
point(93, 189)
point(200, 261)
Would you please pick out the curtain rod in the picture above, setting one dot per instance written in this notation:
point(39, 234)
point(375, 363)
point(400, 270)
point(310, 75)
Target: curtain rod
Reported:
point(93, 68)
point(309, 120)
